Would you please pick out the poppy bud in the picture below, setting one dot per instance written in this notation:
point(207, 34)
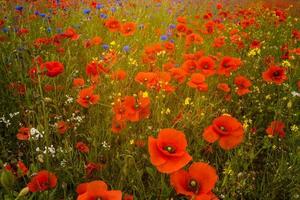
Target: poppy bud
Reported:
point(7, 179)
point(23, 192)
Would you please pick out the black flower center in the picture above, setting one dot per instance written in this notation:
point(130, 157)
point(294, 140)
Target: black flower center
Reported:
point(276, 73)
point(193, 186)
point(226, 65)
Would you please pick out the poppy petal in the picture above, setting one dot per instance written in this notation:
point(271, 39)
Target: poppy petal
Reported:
point(229, 142)
point(210, 135)
point(205, 175)
point(156, 156)
point(174, 164)
point(179, 181)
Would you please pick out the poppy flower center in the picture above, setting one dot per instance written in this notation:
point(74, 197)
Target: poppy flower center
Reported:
point(87, 97)
point(98, 198)
point(193, 186)
point(276, 73)
point(222, 128)
point(205, 67)
point(226, 65)
point(169, 149)
point(136, 106)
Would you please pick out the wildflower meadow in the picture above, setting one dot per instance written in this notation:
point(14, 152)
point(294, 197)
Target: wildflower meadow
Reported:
point(150, 99)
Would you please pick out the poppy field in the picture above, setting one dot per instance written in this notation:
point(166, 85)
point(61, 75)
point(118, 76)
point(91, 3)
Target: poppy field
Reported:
point(149, 100)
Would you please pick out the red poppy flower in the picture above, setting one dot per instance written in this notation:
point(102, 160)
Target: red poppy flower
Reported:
point(178, 74)
point(118, 126)
point(193, 39)
point(18, 88)
point(62, 127)
point(228, 65)
point(128, 197)
point(42, 181)
point(23, 134)
point(197, 182)
point(53, 68)
point(95, 69)
point(82, 147)
point(87, 97)
point(23, 31)
point(168, 152)
point(119, 110)
point(163, 79)
point(169, 46)
point(92, 167)
point(136, 109)
point(97, 190)
point(242, 84)
point(275, 74)
point(22, 168)
point(147, 78)
point(198, 81)
point(276, 127)
point(2, 22)
point(19, 169)
point(206, 65)
point(296, 34)
point(169, 65)
point(219, 42)
point(78, 82)
point(71, 34)
point(181, 19)
point(224, 87)
point(112, 24)
point(96, 40)
point(189, 66)
point(119, 75)
point(225, 129)
point(255, 44)
point(128, 29)
point(48, 88)
point(181, 28)
point(210, 27)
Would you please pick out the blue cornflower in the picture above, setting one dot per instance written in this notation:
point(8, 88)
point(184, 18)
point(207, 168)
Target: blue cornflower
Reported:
point(126, 48)
point(19, 8)
point(172, 26)
point(86, 11)
point(113, 9)
point(103, 16)
point(99, 6)
point(164, 37)
point(105, 46)
point(5, 30)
